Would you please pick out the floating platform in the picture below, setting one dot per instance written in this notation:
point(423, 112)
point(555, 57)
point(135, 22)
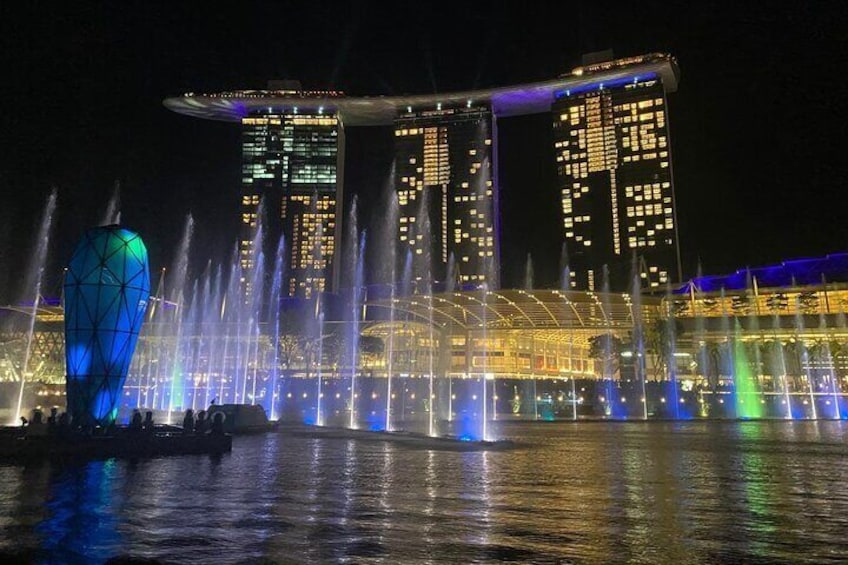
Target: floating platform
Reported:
point(405, 439)
point(23, 448)
point(242, 419)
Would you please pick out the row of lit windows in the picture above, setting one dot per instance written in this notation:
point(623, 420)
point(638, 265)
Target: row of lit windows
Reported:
point(634, 158)
point(308, 286)
point(646, 189)
point(261, 121)
point(314, 121)
point(646, 210)
point(321, 203)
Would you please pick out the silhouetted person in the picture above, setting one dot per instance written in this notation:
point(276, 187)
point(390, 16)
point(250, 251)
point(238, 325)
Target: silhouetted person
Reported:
point(217, 428)
point(53, 421)
point(188, 422)
point(37, 427)
point(64, 424)
point(136, 423)
point(148, 425)
point(200, 424)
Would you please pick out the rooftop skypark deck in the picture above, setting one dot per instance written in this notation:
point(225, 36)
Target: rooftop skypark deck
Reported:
point(515, 100)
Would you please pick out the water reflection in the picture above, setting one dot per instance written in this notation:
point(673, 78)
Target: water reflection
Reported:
point(83, 506)
point(585, 492)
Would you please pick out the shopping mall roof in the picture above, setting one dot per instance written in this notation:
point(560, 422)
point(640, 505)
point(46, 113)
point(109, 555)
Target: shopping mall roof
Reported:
point(797, 272)
point(529, 98)
point(518, 309)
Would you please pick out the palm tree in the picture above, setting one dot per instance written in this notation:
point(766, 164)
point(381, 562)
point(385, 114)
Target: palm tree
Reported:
point(661, 338)
point(606, 348)
point(711, 356)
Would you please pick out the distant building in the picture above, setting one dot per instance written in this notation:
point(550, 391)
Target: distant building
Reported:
point(613, 153)
point(444, 179)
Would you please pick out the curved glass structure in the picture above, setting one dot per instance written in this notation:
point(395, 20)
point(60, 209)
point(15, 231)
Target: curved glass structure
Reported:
point(107, 287)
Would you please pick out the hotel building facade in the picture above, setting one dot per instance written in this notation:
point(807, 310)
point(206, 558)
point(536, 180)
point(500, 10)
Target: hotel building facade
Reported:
point(444, 169)
point(293, 160)
point(613, 159)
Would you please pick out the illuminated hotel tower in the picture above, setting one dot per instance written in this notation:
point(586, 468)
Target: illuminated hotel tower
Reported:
point(293, 160)
point(444, 163)
point(613, 162)
point(614, 172)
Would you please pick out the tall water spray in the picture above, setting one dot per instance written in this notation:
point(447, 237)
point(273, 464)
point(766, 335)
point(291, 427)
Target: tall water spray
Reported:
point(112, 215)
point(828, 361)
point(154, 355)
point(206, 331)
point(231, 319)
point(423, 273)
point(273, 316)
point(669, 354)
point(32, 288)
point(779, 363)
point(750, 302)
point(805, 357)
point(357, 300)
point(745, 394)
point(178, 282)
point(639, 334)
point(388, 252)
point(564, 268)
point(450, 274)
point(254, 305)
point(484, 432)
point(611, 393)
point(190, 348)
point(356, 271)
point(565, 285)
point(319, 395)
point(530, 391)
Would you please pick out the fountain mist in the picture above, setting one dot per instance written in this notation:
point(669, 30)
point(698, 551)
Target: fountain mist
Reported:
point(34, 280)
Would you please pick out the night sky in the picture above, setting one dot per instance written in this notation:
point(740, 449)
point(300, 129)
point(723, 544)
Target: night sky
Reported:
point(757, 125)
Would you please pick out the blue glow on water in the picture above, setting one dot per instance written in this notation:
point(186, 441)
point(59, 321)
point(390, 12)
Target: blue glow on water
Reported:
point(797, 410)
point(80, 525)
point(676, 409)
point(612, 397)
point(376, 421)
point(832, 409)
point(467, 427)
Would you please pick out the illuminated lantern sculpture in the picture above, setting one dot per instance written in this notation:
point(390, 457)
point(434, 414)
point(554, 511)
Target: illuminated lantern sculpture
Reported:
point(107, 286)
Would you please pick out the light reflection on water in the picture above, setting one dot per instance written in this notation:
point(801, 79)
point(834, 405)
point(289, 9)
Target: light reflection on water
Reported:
point(693, 492)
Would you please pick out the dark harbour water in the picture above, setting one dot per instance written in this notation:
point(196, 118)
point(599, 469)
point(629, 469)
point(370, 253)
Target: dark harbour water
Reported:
point(699, 492)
